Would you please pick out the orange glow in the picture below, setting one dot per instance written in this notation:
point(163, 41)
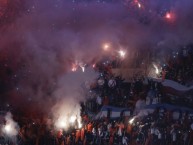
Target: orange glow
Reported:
point(74, 67)
point(106, 46)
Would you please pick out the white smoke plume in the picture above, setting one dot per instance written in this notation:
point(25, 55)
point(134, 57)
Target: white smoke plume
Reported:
point(11, 128)
point(66, 112)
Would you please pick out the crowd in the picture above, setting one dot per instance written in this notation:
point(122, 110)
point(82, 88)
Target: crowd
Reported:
point(179, 66)
point(114, 91)
point(111, 90)
point(160, 127)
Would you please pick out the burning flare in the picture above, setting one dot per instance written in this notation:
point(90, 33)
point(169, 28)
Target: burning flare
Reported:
point(132, 120)
point(106, 46)
point(122, 53)
point(156, 69)
point(11, 128)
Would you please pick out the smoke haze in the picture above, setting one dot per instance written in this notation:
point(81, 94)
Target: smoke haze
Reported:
point(40, 39)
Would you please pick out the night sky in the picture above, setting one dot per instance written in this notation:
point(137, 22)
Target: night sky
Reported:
point(40, 39)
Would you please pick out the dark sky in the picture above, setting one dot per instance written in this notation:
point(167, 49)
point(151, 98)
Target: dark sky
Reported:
point(39, 39)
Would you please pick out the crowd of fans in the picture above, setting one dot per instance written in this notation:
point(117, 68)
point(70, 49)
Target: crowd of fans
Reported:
point(162, 126)
point(179, 66)
point(111, 90)
point(114, 91)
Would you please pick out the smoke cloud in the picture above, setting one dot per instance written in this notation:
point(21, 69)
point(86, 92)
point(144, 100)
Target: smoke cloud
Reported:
point(10, 128)
point(69, 97)
point(43, 38)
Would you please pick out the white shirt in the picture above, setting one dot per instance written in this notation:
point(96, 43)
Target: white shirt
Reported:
point(109, 126)
point(152, 130)
point(94, 131)
point(124, 140)
point(120, 132)
point(156, 132)
point(173, 136)
point(99, 100)
point(173, 133)
point(159, 136)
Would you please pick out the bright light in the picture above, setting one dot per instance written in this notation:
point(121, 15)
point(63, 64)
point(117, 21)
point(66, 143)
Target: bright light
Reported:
point(8, 128)
point(122, 53)
point(72, 119)
point(83, 69)
point(168, 16)
point(156, 69)
point(131, 121)
point(79, 124)
point(82, 66)
point(61, 123)
point(139, 5)
point(67, 115)
point(106, 47)
point(74, 67)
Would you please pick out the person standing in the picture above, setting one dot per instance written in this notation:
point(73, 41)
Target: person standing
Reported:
point(60, 138)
